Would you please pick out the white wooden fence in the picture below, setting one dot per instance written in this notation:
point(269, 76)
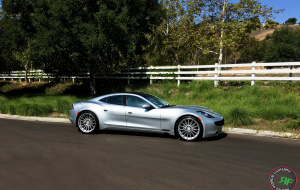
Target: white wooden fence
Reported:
point(231, 72)
point(218, 72)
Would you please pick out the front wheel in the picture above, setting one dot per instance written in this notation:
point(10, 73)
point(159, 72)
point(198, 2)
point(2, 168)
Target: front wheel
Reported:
point(189, 128)
point(87, 122)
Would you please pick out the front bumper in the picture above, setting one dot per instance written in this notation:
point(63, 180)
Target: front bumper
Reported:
point(213, 128)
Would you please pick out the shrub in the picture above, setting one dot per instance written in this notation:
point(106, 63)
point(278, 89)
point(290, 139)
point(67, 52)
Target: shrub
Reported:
point(294, 124)
point(63, 106)
point(33, 109)
point(239, 116)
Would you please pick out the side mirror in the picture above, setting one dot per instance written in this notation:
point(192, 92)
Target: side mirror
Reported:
point(146, 106)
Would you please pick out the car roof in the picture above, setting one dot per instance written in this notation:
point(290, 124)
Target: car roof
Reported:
point(129, 93)
point(123, 93)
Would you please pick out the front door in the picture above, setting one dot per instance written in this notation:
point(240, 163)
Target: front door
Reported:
point(138, 117)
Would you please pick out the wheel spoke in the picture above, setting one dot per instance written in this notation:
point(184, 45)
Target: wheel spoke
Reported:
point(188, 128)
point(87, 122)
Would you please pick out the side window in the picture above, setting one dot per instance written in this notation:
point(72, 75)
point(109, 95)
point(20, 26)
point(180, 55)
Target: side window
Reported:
point(134, 101)
point(103, 100)
point(117, 100)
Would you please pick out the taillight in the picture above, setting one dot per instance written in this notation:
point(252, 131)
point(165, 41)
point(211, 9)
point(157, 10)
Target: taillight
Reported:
point(72, 106)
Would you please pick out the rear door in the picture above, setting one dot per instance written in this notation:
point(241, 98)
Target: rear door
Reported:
point(138, 117)
point(113, 113)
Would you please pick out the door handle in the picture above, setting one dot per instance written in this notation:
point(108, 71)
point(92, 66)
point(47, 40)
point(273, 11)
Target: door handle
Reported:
point(129, 112)
point(105, 110)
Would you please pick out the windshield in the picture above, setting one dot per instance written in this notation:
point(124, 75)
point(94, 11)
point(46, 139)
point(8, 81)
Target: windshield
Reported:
point(156, 101)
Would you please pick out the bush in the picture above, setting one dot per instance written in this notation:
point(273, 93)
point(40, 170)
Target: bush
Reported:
point(33, 109)
point(63, 106)
point(239, 116)
point(294, 124)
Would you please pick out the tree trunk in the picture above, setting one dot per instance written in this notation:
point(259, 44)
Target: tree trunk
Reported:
point(222, 34)
point(221, 37)
point(26, 72)
point(195, 57)
point(93, 90)
point(176, 57)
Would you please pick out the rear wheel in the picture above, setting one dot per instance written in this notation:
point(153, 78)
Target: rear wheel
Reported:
point(87, 122)
point(189, 128)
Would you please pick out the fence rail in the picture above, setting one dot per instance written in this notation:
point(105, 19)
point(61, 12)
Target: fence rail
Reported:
point(238, 72)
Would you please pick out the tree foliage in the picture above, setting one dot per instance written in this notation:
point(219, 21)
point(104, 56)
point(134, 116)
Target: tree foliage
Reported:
point(283, 45)
point(195, 32)
point(16, 32)
point(291, 21)
point(72, 37)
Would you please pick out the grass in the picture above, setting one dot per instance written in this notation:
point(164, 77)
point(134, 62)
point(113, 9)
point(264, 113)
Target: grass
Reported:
point(38, 106)
point(272, 106)
point(277, 106)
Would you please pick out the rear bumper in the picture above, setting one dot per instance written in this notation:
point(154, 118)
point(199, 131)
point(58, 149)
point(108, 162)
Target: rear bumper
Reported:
point(72, 116)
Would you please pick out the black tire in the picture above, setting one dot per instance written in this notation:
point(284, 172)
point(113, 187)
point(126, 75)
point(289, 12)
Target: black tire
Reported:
point(87, 122)
point(189, 128)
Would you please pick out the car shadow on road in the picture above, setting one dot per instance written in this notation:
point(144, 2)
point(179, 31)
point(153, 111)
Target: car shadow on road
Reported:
point(219, 137)
point(142, 134)
point(157, 135)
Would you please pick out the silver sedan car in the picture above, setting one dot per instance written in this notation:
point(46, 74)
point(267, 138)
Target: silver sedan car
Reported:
point(145, 112)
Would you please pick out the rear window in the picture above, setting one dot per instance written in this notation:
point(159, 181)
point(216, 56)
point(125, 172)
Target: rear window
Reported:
point(117, 100)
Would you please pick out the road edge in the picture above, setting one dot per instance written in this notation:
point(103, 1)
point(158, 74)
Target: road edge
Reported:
point(35, 118)
point(260, 133)
point(225, 129)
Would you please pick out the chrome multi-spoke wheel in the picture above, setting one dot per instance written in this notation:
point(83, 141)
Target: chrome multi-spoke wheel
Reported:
point(87, 122)
point(189, 128)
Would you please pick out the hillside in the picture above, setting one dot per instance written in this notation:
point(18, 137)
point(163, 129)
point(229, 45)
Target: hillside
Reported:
point(261, 34)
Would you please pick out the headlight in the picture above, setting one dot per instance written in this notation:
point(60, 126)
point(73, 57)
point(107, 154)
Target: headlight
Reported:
point(206, 114)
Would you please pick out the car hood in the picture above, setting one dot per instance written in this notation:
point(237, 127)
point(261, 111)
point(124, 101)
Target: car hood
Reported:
point(198, 109)
point(188, 107)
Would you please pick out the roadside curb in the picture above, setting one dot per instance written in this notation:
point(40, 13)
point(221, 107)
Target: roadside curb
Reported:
point(34, 118)
point(225, 129)
point(260, 133)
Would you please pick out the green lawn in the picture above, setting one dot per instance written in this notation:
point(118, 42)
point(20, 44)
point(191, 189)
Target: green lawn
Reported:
point(270, 107)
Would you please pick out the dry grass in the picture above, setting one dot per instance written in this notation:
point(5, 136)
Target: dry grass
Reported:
point(261, 34)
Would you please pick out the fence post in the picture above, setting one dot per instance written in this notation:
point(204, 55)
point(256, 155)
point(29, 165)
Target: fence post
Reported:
point(253, 74)
point(291, 74)
point(178, 80)
point(151, 67)
point(128, 81)
point(216, 74)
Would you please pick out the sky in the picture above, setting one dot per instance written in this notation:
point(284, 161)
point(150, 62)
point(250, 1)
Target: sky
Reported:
point(292, 9)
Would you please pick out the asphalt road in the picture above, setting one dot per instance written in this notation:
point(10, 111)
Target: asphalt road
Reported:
point(40, 155)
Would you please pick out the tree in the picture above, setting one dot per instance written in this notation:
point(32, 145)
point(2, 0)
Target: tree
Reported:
point(93, 36)
point(18, 30)
point(231, 19)
point(291, 21)
point(73, 37)
point(162, 50)
point(270, 24)
point(283, 45)
point(252, 50)
point(205, 28)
